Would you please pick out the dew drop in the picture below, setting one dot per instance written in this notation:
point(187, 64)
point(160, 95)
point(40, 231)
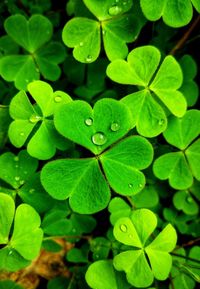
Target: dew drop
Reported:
point(27, 80)
point(115, 126)
point(57, 99)
point(17, 179)
point(130, 236)
point(16, 166)
point(31, 191)
point(123, 228)
point(81, 44)
point(104, 32)
point(88, 58)
point(88, 121)
point(114, 10)
point(16, 159)
point(10, 252)
point(25, 172)
point(161, 122)
point(99, 138)
point(21, 134)
point(140, 185)
point(189, 200)
point(97, 256)
point(130, 185)
point(34, 118)
point(74, 230)
point(21, 182)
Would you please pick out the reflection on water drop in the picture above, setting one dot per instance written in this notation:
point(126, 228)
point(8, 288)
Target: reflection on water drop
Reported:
point(81, 44)
point(17, 179)
point(115, 126)
point(130, 185)
point(99, 138)
point(161, 122)
point(140, 185)
point(88, 121)
point(189, 199)
point(88, 58)
point(123, 228)
point(57, 99)
point(34, 118)
point(114, 10)
point(21, 182)
point(21, 134)
point(16, 159)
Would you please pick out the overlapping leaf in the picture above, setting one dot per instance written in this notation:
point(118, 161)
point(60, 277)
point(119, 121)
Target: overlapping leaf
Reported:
point(25, 242)
point(135, 231)
point(182, 166)
point(42, 57)
point(32, 123)
point(175, 13)
point(118, 28)
point(147, 113)
point(81, 180)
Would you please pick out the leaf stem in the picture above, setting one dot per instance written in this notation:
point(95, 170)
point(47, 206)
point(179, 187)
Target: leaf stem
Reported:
point(186, 258)
point(184, 38)
point(67, 237)
point(190, 243)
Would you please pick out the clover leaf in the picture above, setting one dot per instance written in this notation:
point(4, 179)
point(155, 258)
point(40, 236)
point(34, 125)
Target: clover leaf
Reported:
point(32, 35)
point(15, 170)
point(182, 166)
point(115, 22)
point(24, 244)
point(8, 284)
point(82, 180)
point(4, 124)
point(33, 124)
point(189, 87)
point(135, 231)
point(112, 280)
point(175, 13)
point(147, 113)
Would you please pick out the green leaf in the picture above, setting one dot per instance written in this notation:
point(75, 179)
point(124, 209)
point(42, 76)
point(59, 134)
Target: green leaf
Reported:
point(118, 208)
point(80, 180)
point(33, 193)
point(19, 68)
point(83, 35)
point(27, 118)
point(173, 166)
point(94, 129)
point(15, 170)
point(11, 260)
point(76, 255)
point(117, 33)
point(139, 68)
point(196, 4)
point(189, 87)
point(147, 114)
point(112, 279)
point(122, 163)
point(26, 239)
point(175, 13)
point(183, 200)
point(7, 209)
point(137, 269)
point(182, 131)
point(31, 34)
point(107, 9)
point(193, 158)
point(8, 284)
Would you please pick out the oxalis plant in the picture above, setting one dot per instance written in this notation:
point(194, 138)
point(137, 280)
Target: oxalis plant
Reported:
point(99, 144)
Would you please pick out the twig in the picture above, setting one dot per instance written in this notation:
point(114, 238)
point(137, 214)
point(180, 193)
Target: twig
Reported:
point(181, 42)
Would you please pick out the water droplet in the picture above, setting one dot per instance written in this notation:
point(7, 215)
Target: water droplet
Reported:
point(130, 236)
point(16, 159)
point(27, 80)
point(161, 122)
point(114, 10)
point(89, 121)
point(99, 138)
point(10, 252)
point(57, 99)
point(17, 179)
point(96, 256)
point(140, 185)
point(123, 228)
point(37, 69)
point(21, 134)
point(189, 199)
point(130, 185)
point(25, 172)
point(115, 126)
point(88, 58)
point(74, 230)
point(125, 3)
point(81, 44)
point(21, 182)
point(34, 118)
point(104, 32)
point(31, 191)
point(16, 166)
